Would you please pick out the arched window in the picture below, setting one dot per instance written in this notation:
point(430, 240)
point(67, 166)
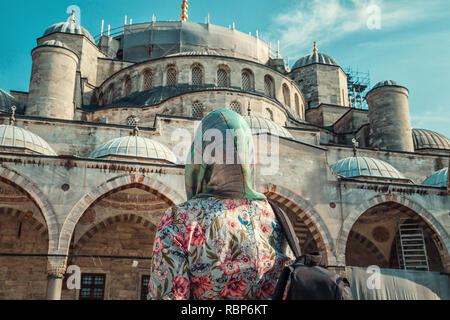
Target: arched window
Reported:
point(297, 104)
point(197, 75)
point(100, 99)
point(248, 83)
point(110, 96)
point(269, 87)
point(171, 77)
point(222, 78)
point(131, 121)
point(197, 110)
point(286, 95)
point(236, 107)
point(268, 114)
point(147, 80)
point(127, 86)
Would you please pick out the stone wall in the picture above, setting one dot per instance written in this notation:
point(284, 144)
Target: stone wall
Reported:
point(123, 281)
point(52, 92)
point(210, 66)
point(22, 277)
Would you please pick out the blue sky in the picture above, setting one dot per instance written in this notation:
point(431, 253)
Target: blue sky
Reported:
point(412, 46)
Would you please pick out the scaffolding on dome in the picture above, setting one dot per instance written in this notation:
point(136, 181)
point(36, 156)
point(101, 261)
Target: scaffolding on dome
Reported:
point(358, 86)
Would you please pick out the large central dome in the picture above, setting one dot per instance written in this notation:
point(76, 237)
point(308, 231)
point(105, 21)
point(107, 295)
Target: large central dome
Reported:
point(165, 38)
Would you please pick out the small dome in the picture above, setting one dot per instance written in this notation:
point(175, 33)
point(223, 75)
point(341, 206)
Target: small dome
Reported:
point(7, 101)
point(387, 83)
point(134, 146)
point(437, 179)
point(427, 139)
point(68, 27)
point(365, 167)
point(264, 125)
point(53, 43)
point(16, 137)
point(314, 58)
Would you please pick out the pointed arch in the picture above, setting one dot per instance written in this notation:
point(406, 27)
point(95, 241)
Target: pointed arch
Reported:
point(304, 211)
point(443, 241)
point(113, 185)
point(12, 177)
point(110, 220)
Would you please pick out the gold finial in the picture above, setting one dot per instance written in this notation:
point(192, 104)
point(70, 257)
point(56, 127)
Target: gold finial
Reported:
point(13, 118)
point(315, 47)
point(184, 7)
point(72, 17)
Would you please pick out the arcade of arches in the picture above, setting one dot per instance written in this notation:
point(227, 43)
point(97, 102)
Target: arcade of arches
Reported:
point(112, 242)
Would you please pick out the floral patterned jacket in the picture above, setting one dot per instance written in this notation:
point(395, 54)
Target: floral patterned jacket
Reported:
point(208, 248)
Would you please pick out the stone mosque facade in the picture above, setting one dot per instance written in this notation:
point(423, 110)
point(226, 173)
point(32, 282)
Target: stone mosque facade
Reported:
point(87, 161)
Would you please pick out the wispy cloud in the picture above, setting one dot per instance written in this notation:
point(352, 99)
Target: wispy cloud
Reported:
point(330, 20)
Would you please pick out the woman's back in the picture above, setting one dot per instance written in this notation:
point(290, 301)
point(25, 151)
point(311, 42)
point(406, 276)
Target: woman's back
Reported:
point(208, 248)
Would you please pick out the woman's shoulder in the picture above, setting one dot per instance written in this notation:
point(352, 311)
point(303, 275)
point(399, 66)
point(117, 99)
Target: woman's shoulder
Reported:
point(202, 206)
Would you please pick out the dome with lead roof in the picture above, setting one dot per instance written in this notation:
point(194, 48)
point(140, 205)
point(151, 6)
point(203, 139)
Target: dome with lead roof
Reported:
point(366, 167)
point(7, 101)
point(12, 137)
point(134, 146)
point(264, 125)
point(427, 139)
point(69, 27)
point(437, 179)
point(315, 58)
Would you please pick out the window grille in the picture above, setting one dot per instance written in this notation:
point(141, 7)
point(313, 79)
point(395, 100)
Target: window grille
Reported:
point(269, 87)
point(197, 76)
point(131, 121)
point(247, 83)
point(144, 286)
point(197, 110)
point(92, 287)
point(148, 80)
point(222, 78)
point(171, 77)
point(236, 107)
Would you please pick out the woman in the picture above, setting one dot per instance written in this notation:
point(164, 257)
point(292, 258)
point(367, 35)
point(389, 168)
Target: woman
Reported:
point(224, 242)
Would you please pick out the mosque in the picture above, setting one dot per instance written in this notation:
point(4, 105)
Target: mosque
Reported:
point(88, 167)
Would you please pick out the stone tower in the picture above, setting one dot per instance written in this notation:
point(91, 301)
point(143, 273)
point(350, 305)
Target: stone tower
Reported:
point(321, 80)
point(52, 85)
point(390, 125)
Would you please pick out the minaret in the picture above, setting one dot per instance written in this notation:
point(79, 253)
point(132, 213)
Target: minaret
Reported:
point(184, 9)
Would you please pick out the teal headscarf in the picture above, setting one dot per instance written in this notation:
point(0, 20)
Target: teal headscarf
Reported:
point(218, 177)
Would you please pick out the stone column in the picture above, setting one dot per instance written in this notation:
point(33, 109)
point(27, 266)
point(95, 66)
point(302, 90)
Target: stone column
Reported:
point(56, 268)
